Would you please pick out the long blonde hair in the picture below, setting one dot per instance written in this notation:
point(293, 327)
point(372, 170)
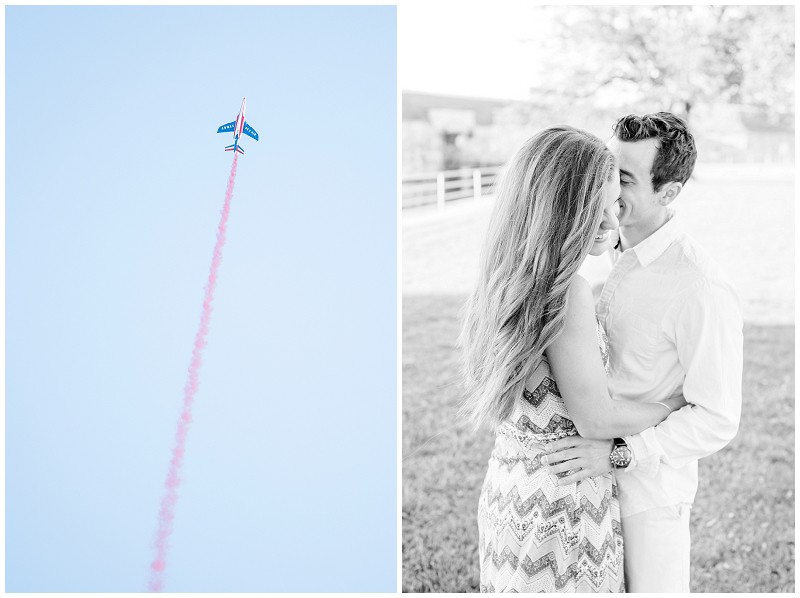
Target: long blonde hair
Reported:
point(548, 209)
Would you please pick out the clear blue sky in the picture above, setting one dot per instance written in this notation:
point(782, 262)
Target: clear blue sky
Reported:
point(115, 178)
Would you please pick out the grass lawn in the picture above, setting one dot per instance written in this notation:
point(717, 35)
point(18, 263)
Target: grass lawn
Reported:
point(743, 518)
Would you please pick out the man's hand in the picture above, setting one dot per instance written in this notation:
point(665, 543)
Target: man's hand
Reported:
point(589, 457)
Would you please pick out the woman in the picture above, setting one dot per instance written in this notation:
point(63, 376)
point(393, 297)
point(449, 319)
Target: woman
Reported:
point(535, 364)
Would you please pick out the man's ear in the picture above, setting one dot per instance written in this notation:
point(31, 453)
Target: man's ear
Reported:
point(669, 192)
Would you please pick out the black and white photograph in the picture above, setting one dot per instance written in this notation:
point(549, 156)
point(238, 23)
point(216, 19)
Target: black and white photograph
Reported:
point(597, 249)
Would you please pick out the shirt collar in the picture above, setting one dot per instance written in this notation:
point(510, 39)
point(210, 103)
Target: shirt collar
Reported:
point(648, 250)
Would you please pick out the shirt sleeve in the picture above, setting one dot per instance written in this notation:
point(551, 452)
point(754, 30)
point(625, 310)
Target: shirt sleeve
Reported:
point(707, 328)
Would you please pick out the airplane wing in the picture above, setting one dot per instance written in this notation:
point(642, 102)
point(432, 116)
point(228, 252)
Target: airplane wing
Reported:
point(227, 128)
point(250, 131)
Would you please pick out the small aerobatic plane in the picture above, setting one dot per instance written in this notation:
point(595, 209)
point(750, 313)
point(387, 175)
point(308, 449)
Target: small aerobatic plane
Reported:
point(238, 127)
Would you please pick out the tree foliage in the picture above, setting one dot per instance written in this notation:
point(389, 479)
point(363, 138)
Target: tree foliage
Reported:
point(678, 56)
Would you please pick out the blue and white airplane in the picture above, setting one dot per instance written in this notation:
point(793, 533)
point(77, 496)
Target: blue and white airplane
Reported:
point(238, 127)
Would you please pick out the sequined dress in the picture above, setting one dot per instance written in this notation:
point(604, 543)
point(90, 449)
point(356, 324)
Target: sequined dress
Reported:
point(536, 536)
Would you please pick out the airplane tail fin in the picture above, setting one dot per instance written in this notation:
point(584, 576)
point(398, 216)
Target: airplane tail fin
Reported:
point(238, 148)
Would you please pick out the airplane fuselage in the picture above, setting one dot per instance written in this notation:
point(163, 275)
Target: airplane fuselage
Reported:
point(240, 121)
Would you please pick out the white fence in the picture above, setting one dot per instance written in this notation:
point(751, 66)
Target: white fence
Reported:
point(437, 188)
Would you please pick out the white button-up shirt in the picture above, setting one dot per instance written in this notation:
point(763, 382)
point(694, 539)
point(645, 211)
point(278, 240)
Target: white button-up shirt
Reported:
point(674, 324)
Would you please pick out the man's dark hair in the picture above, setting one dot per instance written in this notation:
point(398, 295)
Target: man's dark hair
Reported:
point(676, 153)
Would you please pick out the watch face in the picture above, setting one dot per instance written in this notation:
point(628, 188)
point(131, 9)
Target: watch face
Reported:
point(621, 456)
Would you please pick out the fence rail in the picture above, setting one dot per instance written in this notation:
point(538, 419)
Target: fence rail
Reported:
point(437, 188)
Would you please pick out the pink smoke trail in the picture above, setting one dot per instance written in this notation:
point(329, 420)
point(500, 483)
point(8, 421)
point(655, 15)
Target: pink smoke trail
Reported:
point(173, 482)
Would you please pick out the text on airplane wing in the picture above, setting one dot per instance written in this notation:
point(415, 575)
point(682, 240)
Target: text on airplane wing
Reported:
point(250, 131)
point(227, 128)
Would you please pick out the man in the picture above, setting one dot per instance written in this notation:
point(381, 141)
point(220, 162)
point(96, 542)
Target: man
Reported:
point(674, 325)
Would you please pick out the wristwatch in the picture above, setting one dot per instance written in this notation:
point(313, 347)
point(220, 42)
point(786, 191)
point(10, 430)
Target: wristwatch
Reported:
point(621, 454)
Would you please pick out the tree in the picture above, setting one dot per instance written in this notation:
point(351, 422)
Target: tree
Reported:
point(673, 56)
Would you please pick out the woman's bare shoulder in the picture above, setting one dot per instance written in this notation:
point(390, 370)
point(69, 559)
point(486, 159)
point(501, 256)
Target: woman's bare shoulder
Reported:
point(579, 294)
point(580, 305)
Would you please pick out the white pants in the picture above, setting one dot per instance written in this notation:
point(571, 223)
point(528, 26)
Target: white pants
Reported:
point(657, 549)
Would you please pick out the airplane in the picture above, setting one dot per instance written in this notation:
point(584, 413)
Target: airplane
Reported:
point(238, 127)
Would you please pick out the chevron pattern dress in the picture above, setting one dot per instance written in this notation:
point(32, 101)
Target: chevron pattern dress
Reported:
point(536, 536)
